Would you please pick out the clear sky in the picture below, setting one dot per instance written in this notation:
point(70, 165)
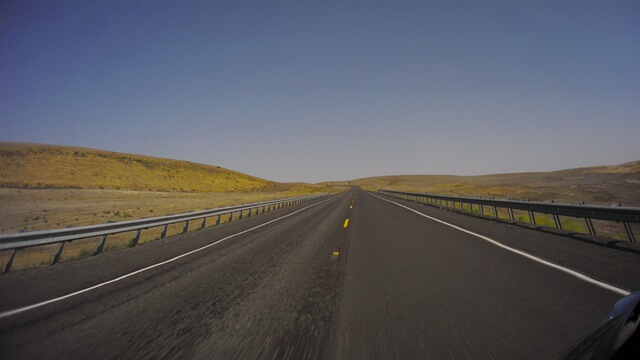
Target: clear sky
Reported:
point(335, 90)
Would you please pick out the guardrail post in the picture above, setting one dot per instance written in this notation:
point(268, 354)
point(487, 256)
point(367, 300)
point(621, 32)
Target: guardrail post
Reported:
point(186, 227)
point(101, 245)
point(11, 257)
point(134, 241)
point(240, 217)
point(204, 223)
point(164, 232)
point(627, 216)
point(230, 216)
point(627, 227)
point(218, 220)
point(249, 214)
point(56, 257)
point(592, 230)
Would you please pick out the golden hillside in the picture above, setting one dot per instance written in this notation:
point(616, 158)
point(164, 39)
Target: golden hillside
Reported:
point(594, 185)
point(35, 166)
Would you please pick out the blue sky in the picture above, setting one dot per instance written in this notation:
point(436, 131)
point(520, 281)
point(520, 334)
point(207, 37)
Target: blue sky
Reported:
point(298, 91)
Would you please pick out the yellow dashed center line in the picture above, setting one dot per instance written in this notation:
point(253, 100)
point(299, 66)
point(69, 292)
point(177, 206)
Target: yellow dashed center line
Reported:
point(351, 207)
point(346, 223)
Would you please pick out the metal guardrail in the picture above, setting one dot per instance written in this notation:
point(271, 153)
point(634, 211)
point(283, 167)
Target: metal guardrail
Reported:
point(617, 213)
point(62, 236)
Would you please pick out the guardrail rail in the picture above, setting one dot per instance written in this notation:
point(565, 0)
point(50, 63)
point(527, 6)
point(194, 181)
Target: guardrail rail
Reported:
point(17, 241)
point(617, 213)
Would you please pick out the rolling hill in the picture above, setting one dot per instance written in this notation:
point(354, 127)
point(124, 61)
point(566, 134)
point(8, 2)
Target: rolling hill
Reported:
point(593, 185)
point(36, 166)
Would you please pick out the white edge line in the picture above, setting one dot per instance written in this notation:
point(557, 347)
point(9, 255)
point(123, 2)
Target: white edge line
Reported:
point(40, 304)
point(522, 253)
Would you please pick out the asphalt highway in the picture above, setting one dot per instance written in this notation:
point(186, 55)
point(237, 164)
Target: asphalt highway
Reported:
point(352, 276)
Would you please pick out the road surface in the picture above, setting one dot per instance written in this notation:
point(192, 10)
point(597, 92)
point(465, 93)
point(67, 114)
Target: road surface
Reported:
point(353, 276)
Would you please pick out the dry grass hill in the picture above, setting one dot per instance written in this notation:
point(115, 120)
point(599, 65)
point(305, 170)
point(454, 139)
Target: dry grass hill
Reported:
point(34, 166)
point(48, 187)
point(594, 185)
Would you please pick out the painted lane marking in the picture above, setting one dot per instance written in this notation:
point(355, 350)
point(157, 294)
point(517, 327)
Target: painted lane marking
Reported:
point(351, 207)
point(519, 252)
point(346, 223)
point(40, 304)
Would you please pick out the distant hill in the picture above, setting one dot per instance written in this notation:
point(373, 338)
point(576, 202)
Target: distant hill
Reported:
point(32, 166)
point(594, 185)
